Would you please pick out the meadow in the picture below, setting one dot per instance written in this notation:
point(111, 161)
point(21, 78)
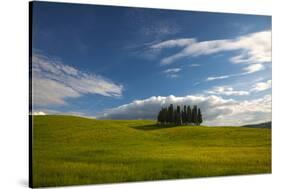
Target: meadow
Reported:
point(70, 150)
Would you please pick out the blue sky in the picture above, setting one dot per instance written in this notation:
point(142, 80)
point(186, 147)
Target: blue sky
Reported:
point(125, 63)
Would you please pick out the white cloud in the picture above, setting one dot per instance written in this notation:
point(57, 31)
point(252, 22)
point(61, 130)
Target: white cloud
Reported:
point(218, 77)
point(246, 112)
point(194, 65)
point(53, 82)
point(262, 86)
point(174, 43)
point(44, 111)
point(227, 91)
point(248, 70)
point(216, 110)
point(253, 68)
point(254, 48)
point(172, 72)
point(38, 113)
point(158, 29)
point(47, 91)
point(172, 75)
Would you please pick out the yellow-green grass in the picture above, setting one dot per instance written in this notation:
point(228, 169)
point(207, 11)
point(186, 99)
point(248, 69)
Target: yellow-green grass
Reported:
point(71, 150)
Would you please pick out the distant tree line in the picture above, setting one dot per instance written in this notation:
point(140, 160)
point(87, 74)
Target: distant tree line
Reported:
point(188, 115)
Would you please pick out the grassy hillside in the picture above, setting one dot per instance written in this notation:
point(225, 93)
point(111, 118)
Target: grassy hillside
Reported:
point(73, 151)
point(265, 125)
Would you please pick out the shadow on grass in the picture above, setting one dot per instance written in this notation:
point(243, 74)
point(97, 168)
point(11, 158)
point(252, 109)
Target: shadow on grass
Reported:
point(153, 127)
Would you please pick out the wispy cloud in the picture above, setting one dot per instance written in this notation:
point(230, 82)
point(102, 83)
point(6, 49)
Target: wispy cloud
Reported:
point(53, 82)
point(159, 30)
point(174, 43)
point(218, 77)
point(254, 48)
point(261, 86)
point(194, 65)
point(247, 70)
point(150, 27)
point(230, 91)
point(46, 111)
point(227, 91)
point(172, 72)
point(254, 68)
point(216, 110)
point(173, 75)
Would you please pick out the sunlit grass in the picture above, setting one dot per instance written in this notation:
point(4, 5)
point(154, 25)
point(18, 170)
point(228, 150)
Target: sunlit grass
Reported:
point(74, 151)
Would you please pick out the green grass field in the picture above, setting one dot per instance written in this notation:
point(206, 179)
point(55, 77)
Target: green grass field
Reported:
point(74, 151)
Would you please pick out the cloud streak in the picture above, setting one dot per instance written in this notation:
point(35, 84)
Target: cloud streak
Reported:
point(262, 86)
point(253, 48)
point(227, 91)
point(194, 65)
point(253, 68)
point(247, 70)
point(53, 82)
point(219, 77)
point(172, 72)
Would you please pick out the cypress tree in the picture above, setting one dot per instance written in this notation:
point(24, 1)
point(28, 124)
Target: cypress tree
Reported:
point(178, 116)
point(171, 114)
point(188, 115)
point(194, 115)
point(159, 117)
point(184, 118)
point(200, 120)
point(163, 116)
point(174, 117)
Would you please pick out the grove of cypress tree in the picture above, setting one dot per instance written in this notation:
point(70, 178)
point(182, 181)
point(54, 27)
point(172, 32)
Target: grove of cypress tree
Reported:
point(178, 117)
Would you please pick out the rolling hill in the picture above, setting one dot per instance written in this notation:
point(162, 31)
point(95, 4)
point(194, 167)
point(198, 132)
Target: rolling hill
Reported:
point(71, 150)
point(265, 125)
